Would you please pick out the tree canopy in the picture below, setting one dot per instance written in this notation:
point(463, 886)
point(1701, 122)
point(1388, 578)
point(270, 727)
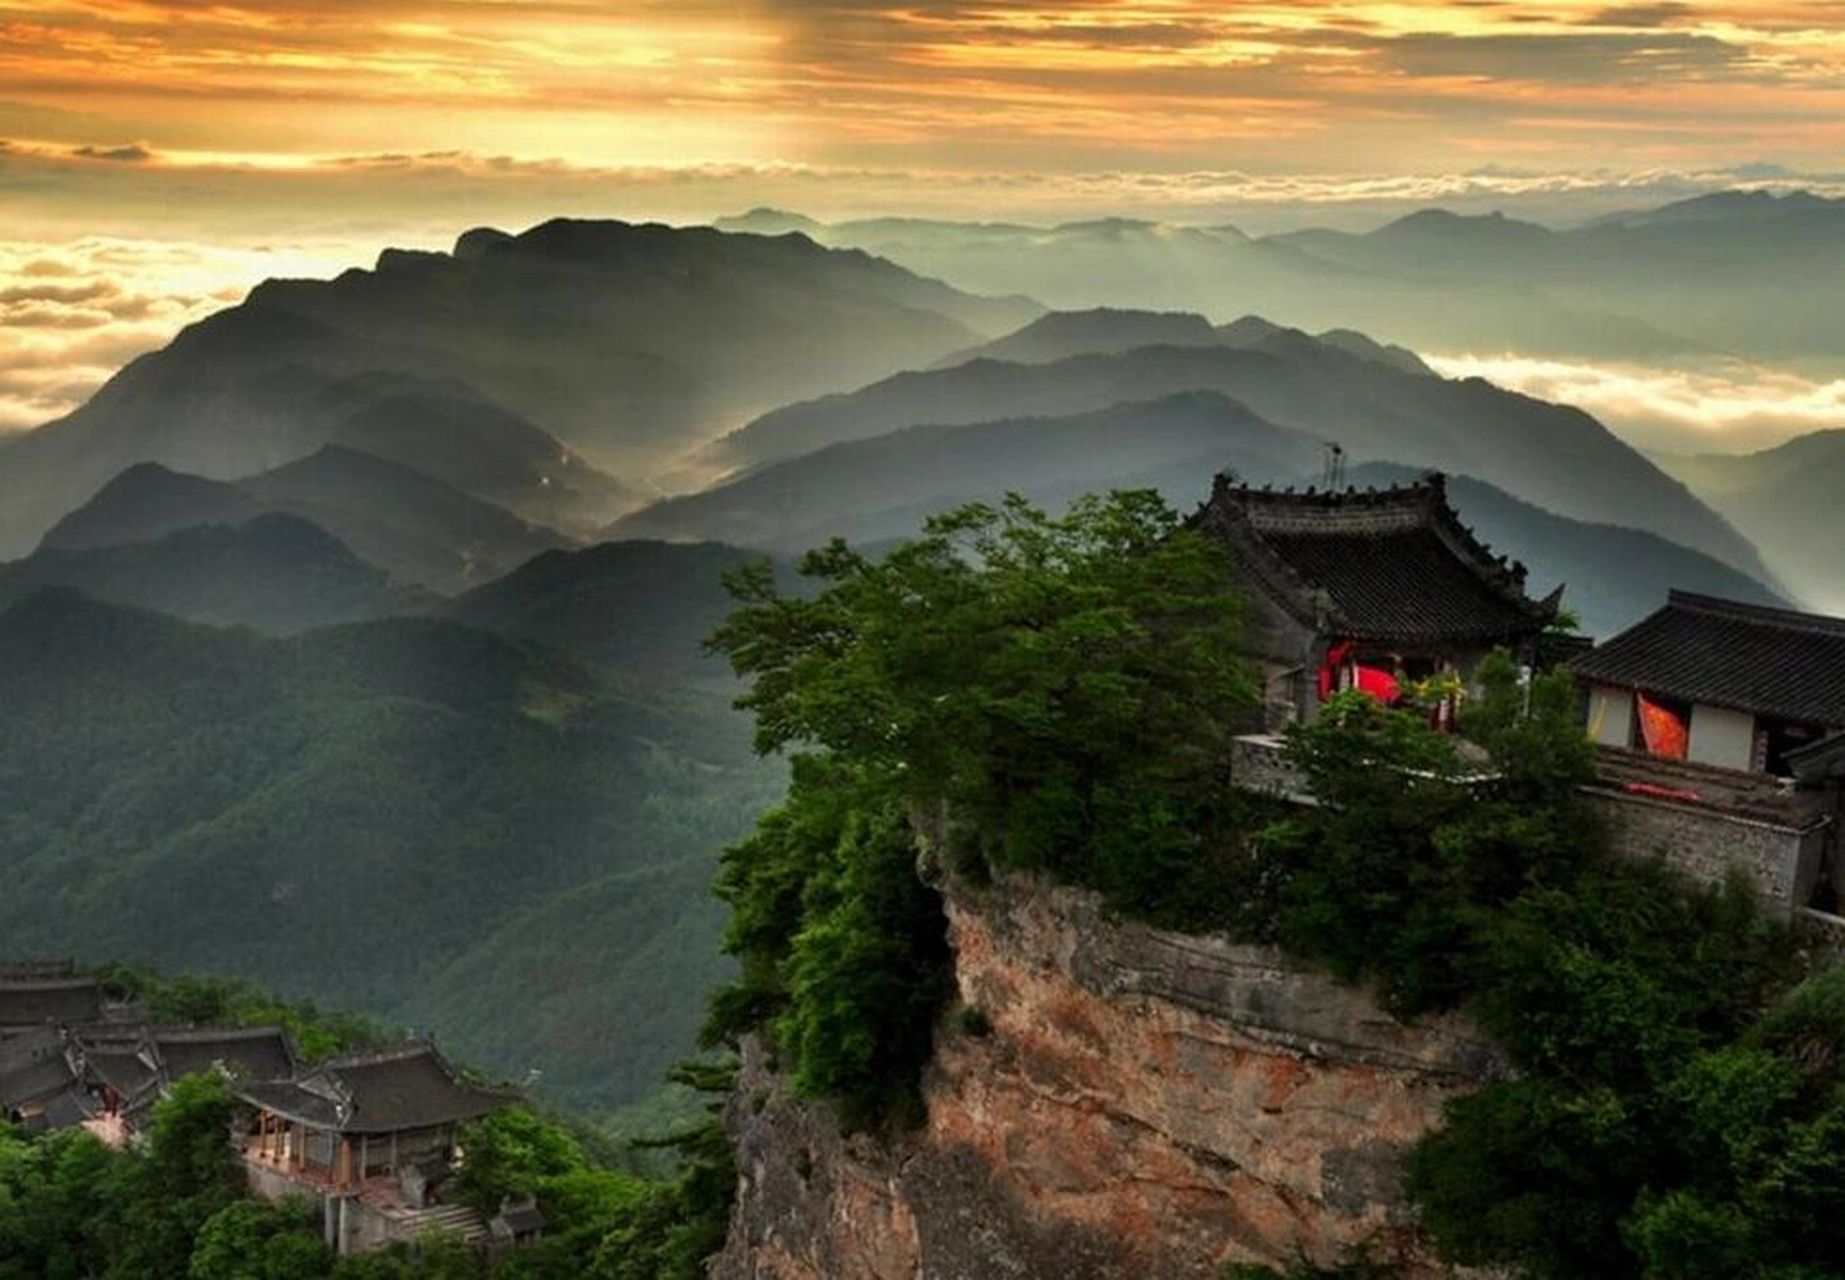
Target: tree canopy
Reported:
point(1063, 690)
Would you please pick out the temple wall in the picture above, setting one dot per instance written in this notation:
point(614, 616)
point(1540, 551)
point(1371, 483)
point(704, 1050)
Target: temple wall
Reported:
point(272, 1184)
point(1611, 715)
point(1782, 862)
point(1722, 737)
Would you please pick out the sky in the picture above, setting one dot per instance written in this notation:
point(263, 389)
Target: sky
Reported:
point(158, 156)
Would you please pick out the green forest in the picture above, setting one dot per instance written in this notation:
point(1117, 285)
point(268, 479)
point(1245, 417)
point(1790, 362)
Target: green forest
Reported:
point(175, 1206)
point(406, 817)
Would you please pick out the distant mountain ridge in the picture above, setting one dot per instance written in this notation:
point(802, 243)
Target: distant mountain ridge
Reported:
point(567, 348)
point(419, 529)
point(880, 489)
point(272, 571)
point(1744, 272)
point(884, 486)
point(1552, 455)
point(1787, 499)
point(1058, 335)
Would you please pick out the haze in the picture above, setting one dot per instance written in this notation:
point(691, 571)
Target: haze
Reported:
point(160, 157)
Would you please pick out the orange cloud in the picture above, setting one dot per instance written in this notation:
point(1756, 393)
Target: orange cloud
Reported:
point(945, 83)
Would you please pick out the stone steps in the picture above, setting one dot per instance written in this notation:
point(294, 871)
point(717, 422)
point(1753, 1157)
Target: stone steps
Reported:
point(457, 1219)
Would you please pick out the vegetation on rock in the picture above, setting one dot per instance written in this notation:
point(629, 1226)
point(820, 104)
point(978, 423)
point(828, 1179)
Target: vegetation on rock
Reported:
point(1068, 688)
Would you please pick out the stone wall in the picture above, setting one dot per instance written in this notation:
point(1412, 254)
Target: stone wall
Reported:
point(1130, 1103)
point(1782, 860)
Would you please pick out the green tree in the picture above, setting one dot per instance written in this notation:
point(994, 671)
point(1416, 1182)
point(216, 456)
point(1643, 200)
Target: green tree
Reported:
point(250, 1240)
point(1068, 686)
point(512, 1153)
point(1060, 692)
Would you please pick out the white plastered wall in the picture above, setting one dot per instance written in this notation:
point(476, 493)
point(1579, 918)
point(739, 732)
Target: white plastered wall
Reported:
point(1722, 737)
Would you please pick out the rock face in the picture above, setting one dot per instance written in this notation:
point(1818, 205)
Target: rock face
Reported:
point(1138, 1104)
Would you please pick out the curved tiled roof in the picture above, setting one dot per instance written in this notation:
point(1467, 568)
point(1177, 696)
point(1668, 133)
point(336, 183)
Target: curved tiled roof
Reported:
point(246, 1053)
point(410, 1087)
point(32, 1066)
point(26, 1002)
point(1770, 662)
point(1391, 564)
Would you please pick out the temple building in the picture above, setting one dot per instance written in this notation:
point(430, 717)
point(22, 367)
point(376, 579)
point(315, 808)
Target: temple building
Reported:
point(1717, 682)
point(1366, 589)
point(37, 997)
point(129, 1067)
point(374, 1138)
point(1721, 729)
point(41, 1086)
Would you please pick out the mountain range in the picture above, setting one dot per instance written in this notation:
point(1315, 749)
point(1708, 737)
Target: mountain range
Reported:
point(460, 758)
point(1743, 272)
point(1375, 409)
point(1786, 500)
point(419, 529)
point(516, 368)
point(274, 572)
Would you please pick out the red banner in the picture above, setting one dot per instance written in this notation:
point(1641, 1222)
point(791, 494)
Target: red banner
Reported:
point(1664, 731)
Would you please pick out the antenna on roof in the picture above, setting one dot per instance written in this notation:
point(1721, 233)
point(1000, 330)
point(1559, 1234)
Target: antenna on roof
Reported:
point(1332, 474)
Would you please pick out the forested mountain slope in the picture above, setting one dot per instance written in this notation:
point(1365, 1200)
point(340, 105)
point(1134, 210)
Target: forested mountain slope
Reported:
point(419, 529)
point(274, 572)
point(1787, 500)
point(398, 816)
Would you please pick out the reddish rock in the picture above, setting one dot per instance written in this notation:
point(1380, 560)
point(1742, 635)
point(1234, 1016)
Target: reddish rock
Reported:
point(1147, 1104)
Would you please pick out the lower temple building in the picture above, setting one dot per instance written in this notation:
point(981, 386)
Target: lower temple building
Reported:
point(374, 1138)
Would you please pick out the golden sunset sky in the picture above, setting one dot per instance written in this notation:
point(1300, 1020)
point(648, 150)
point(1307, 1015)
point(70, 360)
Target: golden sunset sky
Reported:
point(305, 95)
point(157, 156)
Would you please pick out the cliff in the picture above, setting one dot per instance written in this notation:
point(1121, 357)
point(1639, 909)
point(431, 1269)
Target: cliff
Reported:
point(1136, 1104)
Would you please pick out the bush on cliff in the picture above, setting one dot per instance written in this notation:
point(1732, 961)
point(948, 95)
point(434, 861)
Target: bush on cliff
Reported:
point(1067, 687)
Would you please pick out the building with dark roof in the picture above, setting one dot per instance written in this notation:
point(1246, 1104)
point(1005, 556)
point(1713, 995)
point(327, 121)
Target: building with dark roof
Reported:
point(242, 1053)
point(1360, 588)
point(35, 1001)
point(1718, 682)
point(129, 1066)
point(46, 967)
point(1720, 727)
point(373, 1135)
point(40, 1085)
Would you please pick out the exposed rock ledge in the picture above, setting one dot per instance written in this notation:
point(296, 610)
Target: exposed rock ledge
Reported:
point(1146, 1105)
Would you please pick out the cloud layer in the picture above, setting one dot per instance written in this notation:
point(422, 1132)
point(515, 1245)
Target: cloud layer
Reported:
point(1717, 408)
point(72, 314)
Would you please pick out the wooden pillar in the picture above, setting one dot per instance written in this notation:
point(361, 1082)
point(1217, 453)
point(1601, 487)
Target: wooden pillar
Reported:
point(344, 1163)
point(365, 1155)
